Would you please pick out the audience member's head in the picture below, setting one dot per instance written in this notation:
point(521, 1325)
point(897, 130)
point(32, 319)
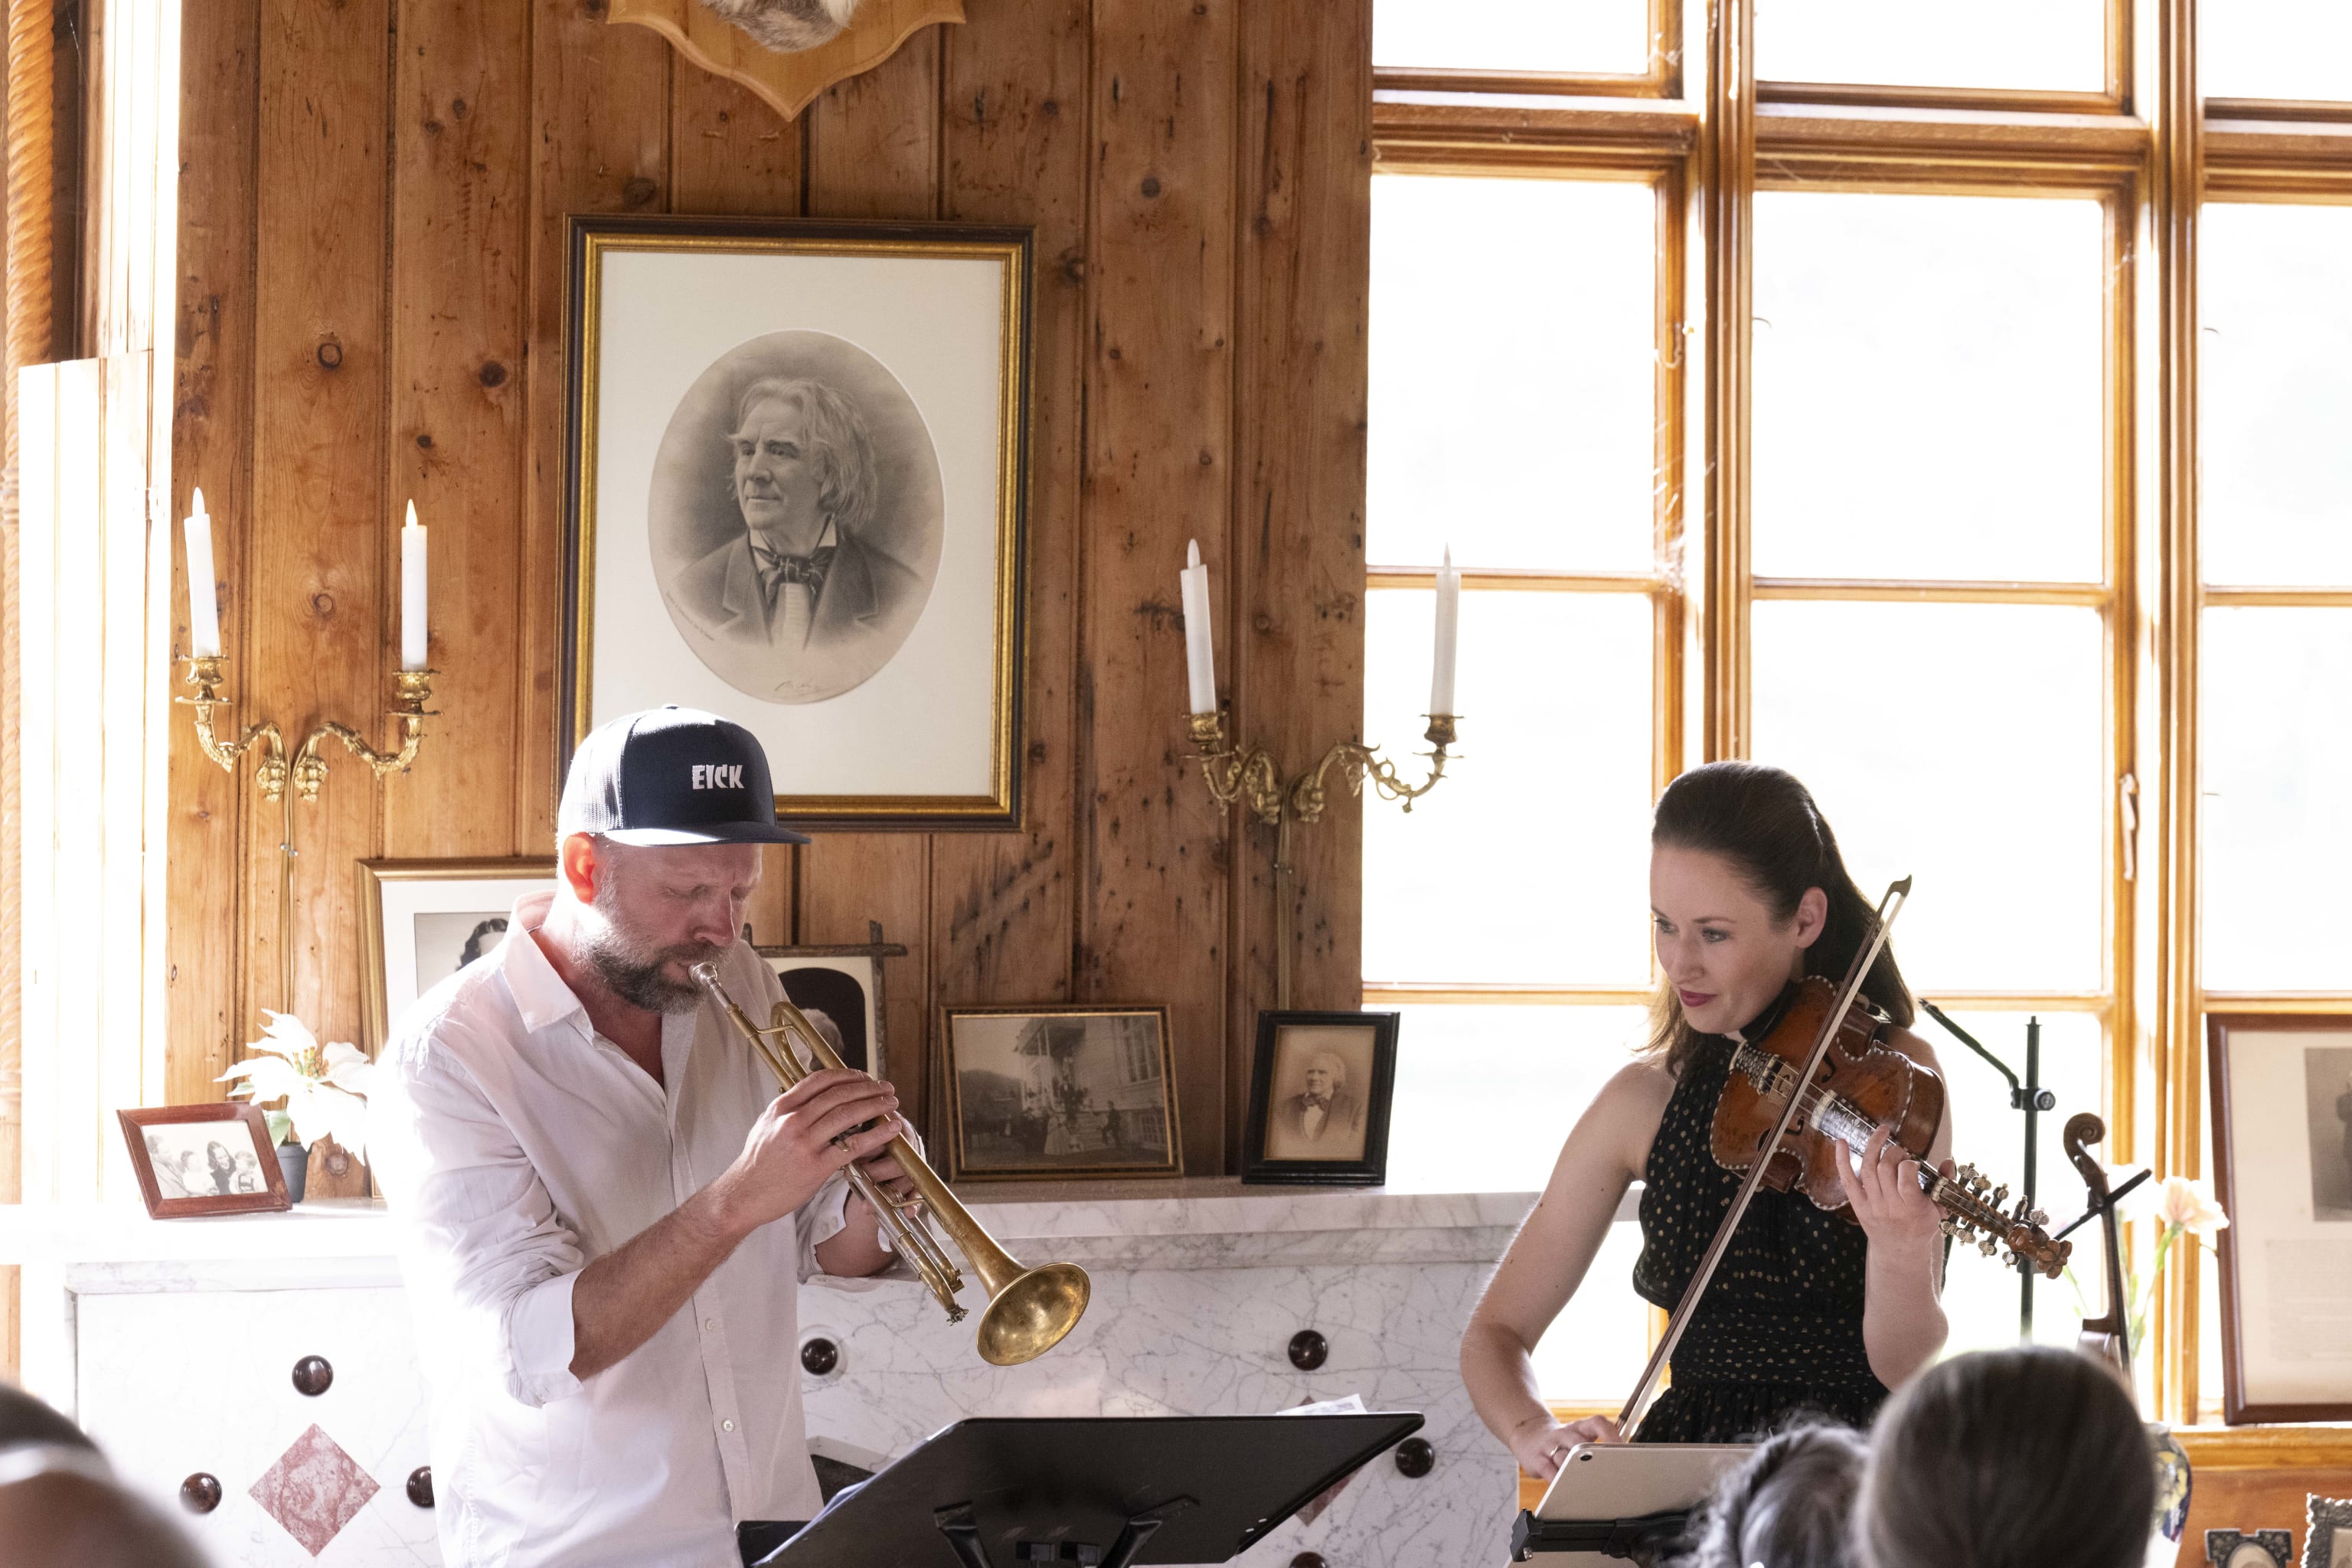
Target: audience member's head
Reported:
point(2030, 1458)
point(61, 1508)
point(1787, 1506)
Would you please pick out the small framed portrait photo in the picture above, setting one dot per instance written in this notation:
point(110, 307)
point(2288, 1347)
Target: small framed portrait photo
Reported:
point(423, 920)
point(2282, 1173)
point(843, 986)
point(1055, 1092)
point(197, 1160)
point(1320, 1091)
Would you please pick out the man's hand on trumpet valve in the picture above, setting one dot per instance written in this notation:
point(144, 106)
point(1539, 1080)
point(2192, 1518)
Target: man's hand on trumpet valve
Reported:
point(891, 1177)
point(791, 1151)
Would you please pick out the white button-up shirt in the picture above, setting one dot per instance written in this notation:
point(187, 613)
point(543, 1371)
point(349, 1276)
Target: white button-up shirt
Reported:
point(516, 1146)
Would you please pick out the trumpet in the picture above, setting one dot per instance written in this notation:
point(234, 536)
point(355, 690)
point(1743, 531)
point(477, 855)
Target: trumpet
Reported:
point(1029, 1309)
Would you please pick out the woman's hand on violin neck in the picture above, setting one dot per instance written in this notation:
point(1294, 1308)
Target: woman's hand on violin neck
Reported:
point(1540, 1444)
point(1882, 1183)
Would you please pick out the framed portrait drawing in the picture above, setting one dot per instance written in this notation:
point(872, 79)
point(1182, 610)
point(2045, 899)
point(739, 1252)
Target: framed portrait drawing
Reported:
point(197, 1160)
point(423, 920)
point(798, 456)
point(1320, 1086)
point(845, 983)
point(1054, 1092)
point(2282, 1173)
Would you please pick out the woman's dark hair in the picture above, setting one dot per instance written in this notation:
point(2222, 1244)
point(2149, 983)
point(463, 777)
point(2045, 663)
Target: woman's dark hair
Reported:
point(2030, 1458)
point(1763, 822)
point(478, 941)
point(1789, 1505)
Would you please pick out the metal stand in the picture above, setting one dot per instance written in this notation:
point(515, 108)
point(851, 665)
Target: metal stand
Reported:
point(963, 1532)
point(2031, 1098)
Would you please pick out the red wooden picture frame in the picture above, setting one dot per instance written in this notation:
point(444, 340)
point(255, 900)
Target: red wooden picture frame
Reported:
point(246, 1120)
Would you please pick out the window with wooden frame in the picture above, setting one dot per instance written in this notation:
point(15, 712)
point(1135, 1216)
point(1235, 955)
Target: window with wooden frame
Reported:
point(1848, 419)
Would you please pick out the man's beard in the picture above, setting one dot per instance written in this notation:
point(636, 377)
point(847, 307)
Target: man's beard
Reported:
point(635, 972)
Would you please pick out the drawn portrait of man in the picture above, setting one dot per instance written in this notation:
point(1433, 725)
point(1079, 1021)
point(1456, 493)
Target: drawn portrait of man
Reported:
point(796, 516)
point(1321, 1075)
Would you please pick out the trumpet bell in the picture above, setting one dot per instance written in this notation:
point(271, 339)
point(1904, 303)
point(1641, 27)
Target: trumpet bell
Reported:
point(1031, 1315)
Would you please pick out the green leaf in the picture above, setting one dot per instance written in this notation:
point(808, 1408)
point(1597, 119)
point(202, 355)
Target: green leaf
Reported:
point(282, 1126)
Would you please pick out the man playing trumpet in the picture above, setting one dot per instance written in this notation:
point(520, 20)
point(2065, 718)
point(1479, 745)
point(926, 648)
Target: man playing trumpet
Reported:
point(605, 1209)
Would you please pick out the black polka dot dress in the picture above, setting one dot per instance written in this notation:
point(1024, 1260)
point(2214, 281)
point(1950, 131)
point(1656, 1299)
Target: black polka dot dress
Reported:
point(1779, 1332)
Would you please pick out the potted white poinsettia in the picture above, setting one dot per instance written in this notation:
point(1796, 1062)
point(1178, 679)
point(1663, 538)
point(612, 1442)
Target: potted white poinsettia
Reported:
point(324, 1089)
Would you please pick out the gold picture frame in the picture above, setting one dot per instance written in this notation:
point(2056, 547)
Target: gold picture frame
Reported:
point(872, 720)
point(1057, 1092)
point(406, 906)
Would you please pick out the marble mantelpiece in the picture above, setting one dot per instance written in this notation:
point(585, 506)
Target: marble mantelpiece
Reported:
point(1198, 1287)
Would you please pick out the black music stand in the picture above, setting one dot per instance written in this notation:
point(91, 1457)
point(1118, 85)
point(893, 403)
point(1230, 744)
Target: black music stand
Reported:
point(1092, 1491)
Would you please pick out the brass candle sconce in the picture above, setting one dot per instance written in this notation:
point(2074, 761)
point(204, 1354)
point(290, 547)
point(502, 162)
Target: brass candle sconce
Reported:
point(1252, 778)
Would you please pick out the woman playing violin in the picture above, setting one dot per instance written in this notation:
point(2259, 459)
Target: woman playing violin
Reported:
point(1807, 1312)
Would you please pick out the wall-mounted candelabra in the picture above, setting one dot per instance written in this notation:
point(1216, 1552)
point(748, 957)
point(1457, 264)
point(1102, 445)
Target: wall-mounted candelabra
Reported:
point(284, 779)
point(1251, 776)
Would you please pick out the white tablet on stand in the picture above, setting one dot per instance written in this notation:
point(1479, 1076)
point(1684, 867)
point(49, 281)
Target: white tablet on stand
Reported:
point(1615, 1495)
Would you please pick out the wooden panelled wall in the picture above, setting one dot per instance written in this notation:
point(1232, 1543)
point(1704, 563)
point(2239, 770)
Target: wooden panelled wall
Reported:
point(371, 308)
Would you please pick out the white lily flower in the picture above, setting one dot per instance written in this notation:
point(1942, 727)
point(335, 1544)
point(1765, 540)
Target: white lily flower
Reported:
point(323, 1086)
point(2189, 1205)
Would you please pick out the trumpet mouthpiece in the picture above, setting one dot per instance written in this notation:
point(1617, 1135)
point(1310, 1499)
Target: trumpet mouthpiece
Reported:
point(705, 975)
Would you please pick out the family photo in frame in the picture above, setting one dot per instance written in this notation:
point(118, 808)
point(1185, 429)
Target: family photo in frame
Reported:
point(1059, 1092)
point(197, 1160)
point(798, 461)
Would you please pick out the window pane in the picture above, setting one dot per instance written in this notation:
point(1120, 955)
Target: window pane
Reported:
point(2275, 390)
point(1530, 861)
point(2274, 758)
point(2055, 44)
point(1980, 1297)
point(1929, 390)
point(2274, 48)
point(1485, 1096)
point(1963, 743)
point(1600, 37)
point(1513, 362)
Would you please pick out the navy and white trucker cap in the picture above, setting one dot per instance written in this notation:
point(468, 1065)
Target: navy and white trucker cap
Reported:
point(672, 775)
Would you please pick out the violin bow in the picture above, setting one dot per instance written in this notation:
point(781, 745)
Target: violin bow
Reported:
point(1637, 1407)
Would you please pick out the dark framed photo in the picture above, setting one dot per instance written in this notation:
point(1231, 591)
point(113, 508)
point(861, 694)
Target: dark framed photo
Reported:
point(2249, 1548)
point(2282, 1173)
point(1320, 1087)
point(798, 462)
point(1054, 1092)
point(845, 985)
point(423, 920)
point(2327, 1532)
point(197, 1160)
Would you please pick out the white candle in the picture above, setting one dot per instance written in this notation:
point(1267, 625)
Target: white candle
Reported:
point(1200, 653)
point(412, 594)
point(1449, 617)
point(204, 604)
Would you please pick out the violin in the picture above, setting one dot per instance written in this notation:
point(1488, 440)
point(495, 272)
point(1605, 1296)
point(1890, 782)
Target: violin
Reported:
point(2106, 1337)
point(1862, 1084)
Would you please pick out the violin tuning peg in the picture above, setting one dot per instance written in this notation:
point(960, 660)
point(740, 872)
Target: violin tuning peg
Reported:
point(2041, 1217)
point(1988, 1245)
point(1965, 1175)
point(1951, 1227)
point(2001, 1193)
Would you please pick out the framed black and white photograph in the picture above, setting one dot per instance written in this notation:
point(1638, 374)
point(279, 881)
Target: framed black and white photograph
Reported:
point(2249, 1548)
point(1320, 1087)
point(2282, 1173)
point(2327, 1532)
point(798, 462)
point(198, 1160)
point(421, 922)
point(845, 985)
point(1057, 1093)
